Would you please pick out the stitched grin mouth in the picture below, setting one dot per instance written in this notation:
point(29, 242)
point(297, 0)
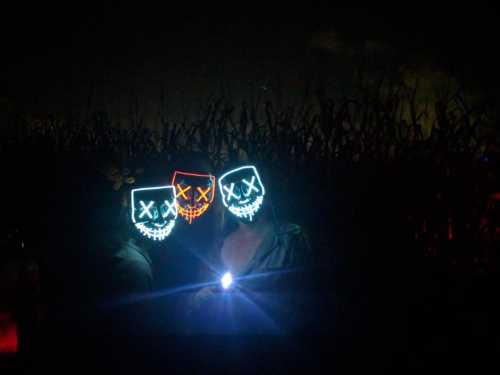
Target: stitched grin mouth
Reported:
point(189, 213)
point(156, 234)
point(247, 211)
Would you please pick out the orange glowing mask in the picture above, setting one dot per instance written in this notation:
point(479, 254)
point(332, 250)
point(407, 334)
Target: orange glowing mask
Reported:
point(195, 193)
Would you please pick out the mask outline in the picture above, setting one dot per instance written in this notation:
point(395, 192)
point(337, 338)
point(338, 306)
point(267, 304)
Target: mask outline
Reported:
point(192, 213)
point(161, 232)
point(247, 211)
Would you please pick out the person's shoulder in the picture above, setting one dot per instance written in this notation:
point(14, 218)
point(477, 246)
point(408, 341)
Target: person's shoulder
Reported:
point(134, 264)
point(130, 270)
point(294, 239)
point(290, 229)
point(294, 228)
point(130, 257)
point(129, 249)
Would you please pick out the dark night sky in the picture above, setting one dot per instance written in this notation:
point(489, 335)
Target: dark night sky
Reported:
point(52, 51)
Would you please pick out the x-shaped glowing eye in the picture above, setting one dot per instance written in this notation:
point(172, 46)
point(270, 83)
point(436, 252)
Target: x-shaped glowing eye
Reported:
point(251, 185)
point(146, 209)
point(203, 194)
point(170, 209)
point(183, 191)
point(230, 192)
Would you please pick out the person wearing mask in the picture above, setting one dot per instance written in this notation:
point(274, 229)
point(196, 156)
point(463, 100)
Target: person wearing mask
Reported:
point(268, 259)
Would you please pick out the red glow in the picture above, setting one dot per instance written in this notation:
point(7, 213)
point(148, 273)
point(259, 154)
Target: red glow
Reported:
point(8, 334)
point(495, 196)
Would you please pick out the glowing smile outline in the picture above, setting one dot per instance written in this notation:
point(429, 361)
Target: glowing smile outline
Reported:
point(191, 213)
point(249, 210)
point(156, 234)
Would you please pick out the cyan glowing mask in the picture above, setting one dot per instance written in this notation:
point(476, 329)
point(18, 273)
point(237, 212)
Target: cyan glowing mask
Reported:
point(242, 191)
point(154, 211)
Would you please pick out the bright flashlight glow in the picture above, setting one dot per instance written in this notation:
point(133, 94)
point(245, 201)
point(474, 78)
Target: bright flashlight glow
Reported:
point(226, 280)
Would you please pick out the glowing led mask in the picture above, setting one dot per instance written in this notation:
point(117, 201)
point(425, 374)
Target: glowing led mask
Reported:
point(195, 193)
point(154, 211)
point(242, 191)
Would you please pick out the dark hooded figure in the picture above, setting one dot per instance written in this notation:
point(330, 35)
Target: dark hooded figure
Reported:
point(135, 248)
point(197, 230)
point(179, 267)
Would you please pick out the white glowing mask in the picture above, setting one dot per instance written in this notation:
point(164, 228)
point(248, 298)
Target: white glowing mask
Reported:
point(154, 211)
point(242, 191)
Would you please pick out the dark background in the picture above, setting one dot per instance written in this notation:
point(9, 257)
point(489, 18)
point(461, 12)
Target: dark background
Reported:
point(52, 52)
point(404, 297)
